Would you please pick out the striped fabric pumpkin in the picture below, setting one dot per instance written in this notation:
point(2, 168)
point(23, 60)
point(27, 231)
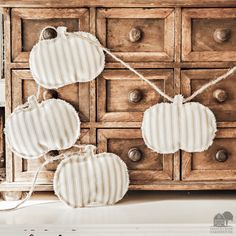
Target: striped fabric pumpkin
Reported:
point(33, 131)
point(91, 180)
point(66, 59)
point(168, 127)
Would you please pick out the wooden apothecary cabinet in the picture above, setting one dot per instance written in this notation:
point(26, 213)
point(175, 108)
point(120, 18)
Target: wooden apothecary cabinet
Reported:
point(179, 45)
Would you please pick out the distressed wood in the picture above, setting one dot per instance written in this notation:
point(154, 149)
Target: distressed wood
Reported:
point(166, 50)
point(114, 87)
point(191, 80)
point(26, 170)
point(150, 65)
point(157, 33)
point(177, 155)
point(8, 87)
point(28, 23)
point(76, 94)
point(159, 185)
point(198, 28)
point(114, 3)
point(151, 167)
point(204, 165)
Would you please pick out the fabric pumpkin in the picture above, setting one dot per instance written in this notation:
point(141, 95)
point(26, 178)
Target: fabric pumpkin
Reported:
point(33, 131)
point(66, 59)
point(83, 180)
point(168, 127)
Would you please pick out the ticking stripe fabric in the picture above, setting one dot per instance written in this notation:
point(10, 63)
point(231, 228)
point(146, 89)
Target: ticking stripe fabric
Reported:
point(168, 127)
point(66, 59)
point(33, 131)
point(93, 180)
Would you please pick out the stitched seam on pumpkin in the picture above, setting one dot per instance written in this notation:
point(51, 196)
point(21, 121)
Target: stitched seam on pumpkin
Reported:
point(42, 104)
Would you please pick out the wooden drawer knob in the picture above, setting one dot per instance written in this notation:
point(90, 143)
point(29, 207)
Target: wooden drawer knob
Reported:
point(53, 153)
point(135, 96)
point(135, 154)
point(49, 33)
point(50, 94)
point(50, 154)
point(222, 35)
point(135, 35)
point(220, 95)
point(221, 155)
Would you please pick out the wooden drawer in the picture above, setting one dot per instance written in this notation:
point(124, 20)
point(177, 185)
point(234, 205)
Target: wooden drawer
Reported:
point(122, 96)
point(145, 166)
point(209, 34)
point(24, 170)
point(27, 24)
point(76, 94)
point(220, 98)
point(211, 164)
point(137, 34)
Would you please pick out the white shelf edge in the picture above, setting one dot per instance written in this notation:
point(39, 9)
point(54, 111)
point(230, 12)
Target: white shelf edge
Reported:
point(2, 92)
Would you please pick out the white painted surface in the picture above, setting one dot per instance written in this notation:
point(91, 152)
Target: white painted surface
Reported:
point(2, 92)
point(142, 213)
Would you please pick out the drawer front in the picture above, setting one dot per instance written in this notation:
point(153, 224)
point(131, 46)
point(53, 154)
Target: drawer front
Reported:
point(220, 98)
point(137, 34)
point(145, 166)
point(24, 170)
point(76, 94)
point(122, 96)
point(27, 24)
point(209, 34)
point(216, 163)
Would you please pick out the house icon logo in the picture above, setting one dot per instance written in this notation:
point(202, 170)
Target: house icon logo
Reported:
point(221, 223)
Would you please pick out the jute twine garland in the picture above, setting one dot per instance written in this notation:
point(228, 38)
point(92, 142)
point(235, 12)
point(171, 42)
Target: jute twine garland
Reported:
point(157, 89)
point(125, 64)
point(196, 93)
point(48, 160)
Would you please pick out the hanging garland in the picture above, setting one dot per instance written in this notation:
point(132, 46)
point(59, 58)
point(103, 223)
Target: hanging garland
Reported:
point(78, 57)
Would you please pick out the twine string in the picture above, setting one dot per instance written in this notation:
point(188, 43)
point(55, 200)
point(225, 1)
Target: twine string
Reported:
point(128, 66)
point(29, 194)
point(157, 89)
point(46, 162)
point(196, 93)
point(211, 83)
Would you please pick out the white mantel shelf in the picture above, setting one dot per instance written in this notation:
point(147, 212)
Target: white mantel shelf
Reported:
point(139, 213)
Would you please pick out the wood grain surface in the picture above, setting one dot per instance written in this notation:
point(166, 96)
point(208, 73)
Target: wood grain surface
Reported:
point(179, 45)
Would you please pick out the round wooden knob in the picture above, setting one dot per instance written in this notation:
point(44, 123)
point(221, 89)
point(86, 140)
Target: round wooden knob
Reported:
point(50, 94)
point(220, 95)
point(222, 35)
point(52, 165)
point(135, 154)
point(135, 96)
point(135, 35)
point(53, 153)
point(221, 155)
point(49, 33)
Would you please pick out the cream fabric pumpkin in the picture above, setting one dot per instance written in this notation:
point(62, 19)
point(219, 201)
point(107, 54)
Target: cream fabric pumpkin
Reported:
point(38, 128)
point(66, 59)
point(83, 180)
point(168, 127)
